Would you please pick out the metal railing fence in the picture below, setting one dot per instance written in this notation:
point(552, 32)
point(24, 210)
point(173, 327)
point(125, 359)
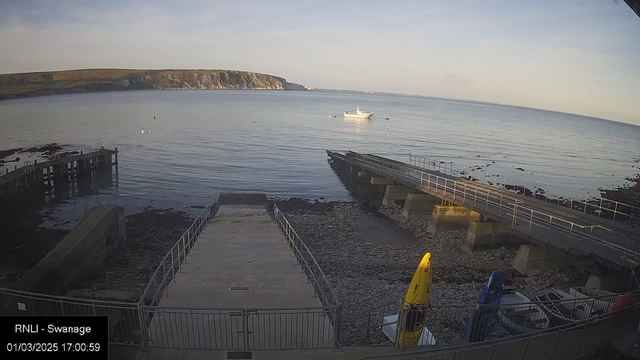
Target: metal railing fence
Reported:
point(570, 341)
point(172, 262)
point(310, 267)
point(458, 324)
point(243, 329)
point(595, 205)
point(124, 320)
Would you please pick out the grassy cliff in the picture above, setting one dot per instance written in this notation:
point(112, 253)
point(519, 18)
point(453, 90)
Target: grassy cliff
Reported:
point(91, 80)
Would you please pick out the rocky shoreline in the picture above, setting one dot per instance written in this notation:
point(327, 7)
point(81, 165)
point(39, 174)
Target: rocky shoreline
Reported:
point(150, 235)
point(366, 275)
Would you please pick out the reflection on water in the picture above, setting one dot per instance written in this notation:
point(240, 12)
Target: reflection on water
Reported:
point(201, 143)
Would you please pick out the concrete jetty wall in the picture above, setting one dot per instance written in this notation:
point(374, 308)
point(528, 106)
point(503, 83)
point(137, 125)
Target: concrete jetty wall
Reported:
point(80, 254)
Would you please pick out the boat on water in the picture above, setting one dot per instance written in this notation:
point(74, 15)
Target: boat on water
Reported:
point(563, 308)
point(358, 114)
point(523, 316)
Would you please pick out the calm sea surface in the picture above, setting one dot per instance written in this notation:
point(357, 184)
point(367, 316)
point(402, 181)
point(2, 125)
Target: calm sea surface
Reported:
point(205, 142)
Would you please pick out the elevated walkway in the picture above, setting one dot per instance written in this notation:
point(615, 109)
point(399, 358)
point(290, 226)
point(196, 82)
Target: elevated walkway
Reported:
point(539, 222)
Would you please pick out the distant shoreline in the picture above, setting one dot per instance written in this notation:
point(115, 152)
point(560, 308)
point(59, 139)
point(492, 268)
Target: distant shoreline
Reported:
point(21, 85)
point(469, 101)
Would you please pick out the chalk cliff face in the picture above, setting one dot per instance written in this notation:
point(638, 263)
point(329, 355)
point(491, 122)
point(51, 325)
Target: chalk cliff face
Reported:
point(207, 79)
point(74, 81)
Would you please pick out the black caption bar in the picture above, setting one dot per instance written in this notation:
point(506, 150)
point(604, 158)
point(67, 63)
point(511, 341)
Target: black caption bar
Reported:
point(73, 337)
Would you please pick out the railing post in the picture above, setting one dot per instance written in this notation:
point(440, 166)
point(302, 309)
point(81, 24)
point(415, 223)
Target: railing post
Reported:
point(464, 194)
point(455, 183)
point(615, 210)
point(500, 208)
point(530, 221)
point(600, 208)
point(336, 327)
point(475, 197)
point(143, 326)
point(164, 278)
point(184, 248)
point(486, 207)
point(245, 329)
point(570, 234)
point(179, 262)
point(173, 270)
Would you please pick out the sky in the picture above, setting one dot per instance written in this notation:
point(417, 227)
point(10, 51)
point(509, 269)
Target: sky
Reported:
point(576, 56)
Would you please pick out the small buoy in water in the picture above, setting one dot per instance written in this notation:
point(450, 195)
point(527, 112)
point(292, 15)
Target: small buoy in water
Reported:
point(154, 117)
point(142, 131)
point(386, 118)
point(387, 127)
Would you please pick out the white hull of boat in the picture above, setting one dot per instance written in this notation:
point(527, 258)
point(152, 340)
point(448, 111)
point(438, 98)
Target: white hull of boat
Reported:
point(357, 116)
point(522, 317)
point(561, 309)
point(389, 329)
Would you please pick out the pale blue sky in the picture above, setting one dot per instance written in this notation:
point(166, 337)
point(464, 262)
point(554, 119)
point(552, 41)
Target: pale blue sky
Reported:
point(578, 56)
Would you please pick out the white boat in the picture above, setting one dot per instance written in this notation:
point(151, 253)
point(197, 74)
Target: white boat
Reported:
point(389, 329)
point(563, 308)
point(358, 114)
point(522, 316)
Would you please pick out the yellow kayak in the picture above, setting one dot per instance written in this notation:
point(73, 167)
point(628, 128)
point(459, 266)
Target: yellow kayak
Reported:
point(415, 304)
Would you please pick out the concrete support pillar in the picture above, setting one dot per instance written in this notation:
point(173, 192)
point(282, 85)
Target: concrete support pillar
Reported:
point(608, 283)
point(39, 176)
point(61, 171)
point(83, 166)
point(445, 218)
point(381, 181)
point(488, 235)
point(419, 204)
point(531, 259)
point(396, 192)
point(365, 175)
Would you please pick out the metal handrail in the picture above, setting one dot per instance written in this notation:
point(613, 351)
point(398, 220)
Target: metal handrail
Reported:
point(415, 161)
point(319, 281)
point(182, 248)
point(482, 195)
point(292, 236)
point(510, 339)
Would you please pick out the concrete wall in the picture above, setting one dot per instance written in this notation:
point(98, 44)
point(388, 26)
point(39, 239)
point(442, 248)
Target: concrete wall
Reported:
point(80, 254)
